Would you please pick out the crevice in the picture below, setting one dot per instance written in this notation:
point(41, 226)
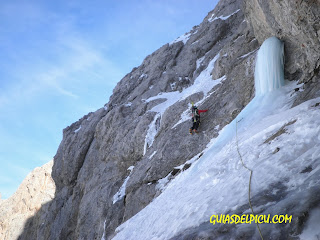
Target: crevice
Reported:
point(73, 182)
point(281, 131)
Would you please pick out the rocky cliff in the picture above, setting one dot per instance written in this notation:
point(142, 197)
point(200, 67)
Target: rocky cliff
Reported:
point(114, 162)
point(297, 24)
point(37, 189)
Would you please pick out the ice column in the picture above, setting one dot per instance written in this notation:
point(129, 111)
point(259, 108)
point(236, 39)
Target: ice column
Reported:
point(269, 73)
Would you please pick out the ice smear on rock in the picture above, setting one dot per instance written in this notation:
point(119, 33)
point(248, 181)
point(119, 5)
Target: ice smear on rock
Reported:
point(122, 191)
point(152, 131)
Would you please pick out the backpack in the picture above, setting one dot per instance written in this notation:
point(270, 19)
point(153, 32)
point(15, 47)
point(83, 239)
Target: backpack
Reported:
point(195, 114)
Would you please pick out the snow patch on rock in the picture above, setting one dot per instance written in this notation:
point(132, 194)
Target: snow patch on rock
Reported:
point(211, 19)
point(122, 191)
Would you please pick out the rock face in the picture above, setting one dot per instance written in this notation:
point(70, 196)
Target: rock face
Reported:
point(37, 189)
point(297, 23)
point(140, 134)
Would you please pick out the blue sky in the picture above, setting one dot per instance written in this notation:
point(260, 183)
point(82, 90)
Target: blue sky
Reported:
point(61, 60)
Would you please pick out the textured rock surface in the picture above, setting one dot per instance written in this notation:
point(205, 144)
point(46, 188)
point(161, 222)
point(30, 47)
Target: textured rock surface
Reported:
point(37, 189)
point(93, 159)
point(297, 23)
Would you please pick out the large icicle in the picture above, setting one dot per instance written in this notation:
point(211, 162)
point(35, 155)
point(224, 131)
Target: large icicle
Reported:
point(269, 73)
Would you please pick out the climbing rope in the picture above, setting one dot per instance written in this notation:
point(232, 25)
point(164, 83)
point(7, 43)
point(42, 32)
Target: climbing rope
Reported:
point(249, 197)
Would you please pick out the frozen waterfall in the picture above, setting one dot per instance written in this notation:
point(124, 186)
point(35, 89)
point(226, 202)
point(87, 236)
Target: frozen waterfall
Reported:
point(269, 74)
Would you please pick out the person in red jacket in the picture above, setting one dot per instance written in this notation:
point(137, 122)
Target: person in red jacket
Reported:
point(195, 119)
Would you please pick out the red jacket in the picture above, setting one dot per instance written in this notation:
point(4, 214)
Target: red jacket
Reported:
point(197, 117)
point(200, 111)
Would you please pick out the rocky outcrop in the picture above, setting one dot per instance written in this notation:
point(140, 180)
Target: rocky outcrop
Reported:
point(297, 23)
point(37, 189)
point(110, 163)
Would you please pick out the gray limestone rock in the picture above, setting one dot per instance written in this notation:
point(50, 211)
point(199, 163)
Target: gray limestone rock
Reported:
point(37, 189)
point(297, 24)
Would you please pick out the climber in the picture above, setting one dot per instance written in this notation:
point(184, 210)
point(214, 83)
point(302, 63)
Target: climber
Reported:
point(195, 118)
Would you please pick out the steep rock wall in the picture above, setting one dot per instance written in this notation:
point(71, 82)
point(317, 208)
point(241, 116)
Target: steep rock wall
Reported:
point(297, 23)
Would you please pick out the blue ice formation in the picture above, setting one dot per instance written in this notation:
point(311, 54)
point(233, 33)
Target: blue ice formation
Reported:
point(269, 70)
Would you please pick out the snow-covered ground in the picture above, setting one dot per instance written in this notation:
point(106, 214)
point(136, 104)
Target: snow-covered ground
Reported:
point(312, 230)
